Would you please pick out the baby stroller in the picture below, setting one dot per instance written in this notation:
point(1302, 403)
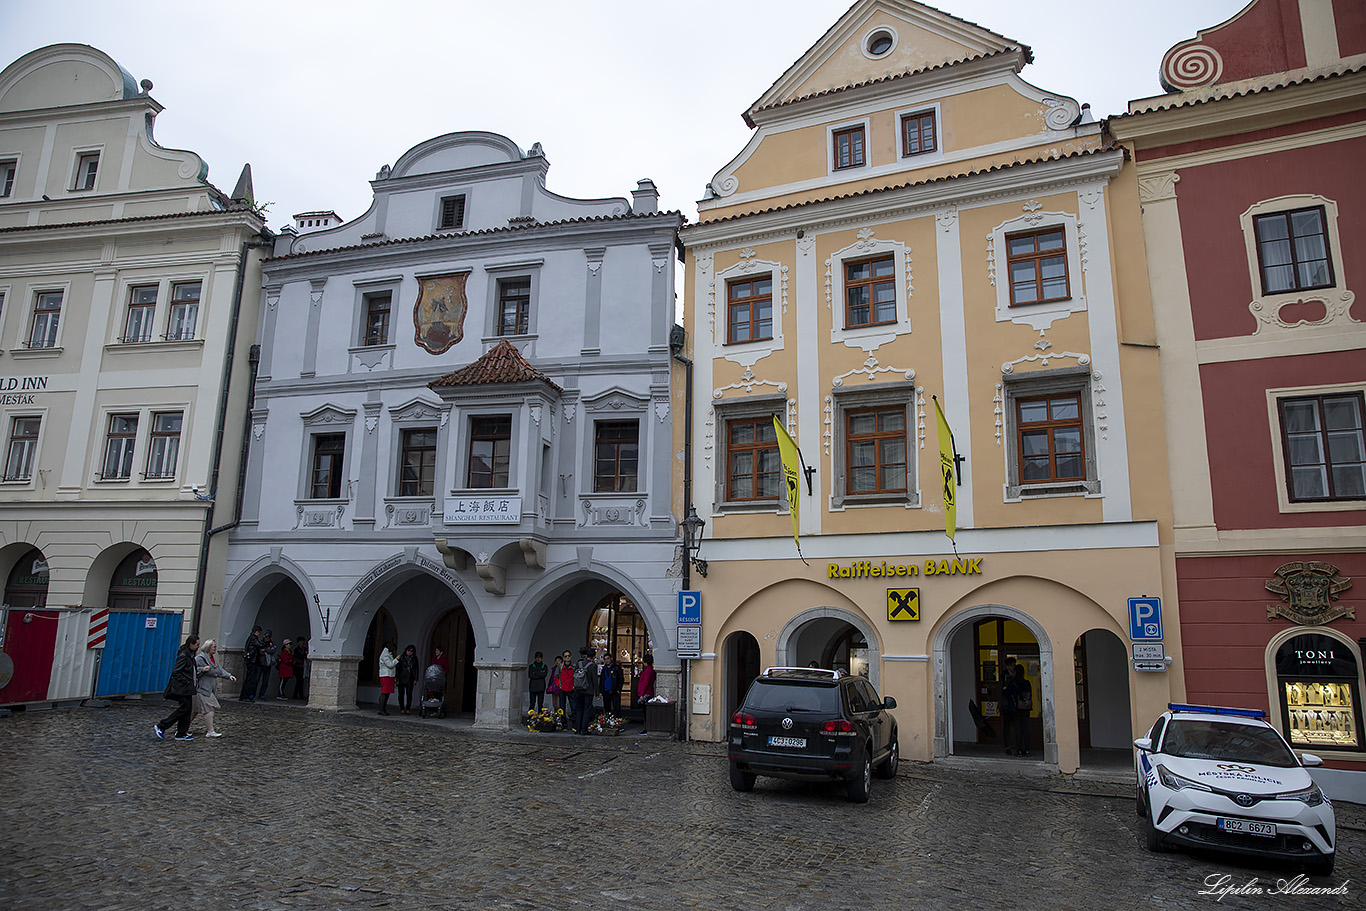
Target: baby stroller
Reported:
point(433, 692)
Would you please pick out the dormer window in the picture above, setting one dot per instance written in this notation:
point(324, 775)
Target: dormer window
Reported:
point(452, 212)
point(87, 169)
point(849, 144)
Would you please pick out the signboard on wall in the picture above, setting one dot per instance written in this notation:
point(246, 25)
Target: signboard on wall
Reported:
point(482, 511)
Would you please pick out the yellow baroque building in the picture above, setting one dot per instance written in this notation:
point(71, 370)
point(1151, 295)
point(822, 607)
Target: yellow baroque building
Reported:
point(912, 221)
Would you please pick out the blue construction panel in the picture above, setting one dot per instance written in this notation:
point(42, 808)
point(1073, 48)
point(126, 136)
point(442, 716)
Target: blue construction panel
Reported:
point(137, 657)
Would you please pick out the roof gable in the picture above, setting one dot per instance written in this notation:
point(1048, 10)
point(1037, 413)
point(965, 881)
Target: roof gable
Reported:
point(922, 38)
point(501, 365)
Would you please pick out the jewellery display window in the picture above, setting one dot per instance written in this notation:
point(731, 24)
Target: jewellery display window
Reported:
point(1320, 700)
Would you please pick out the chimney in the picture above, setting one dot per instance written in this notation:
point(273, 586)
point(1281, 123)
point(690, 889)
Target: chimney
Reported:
point(645, 197)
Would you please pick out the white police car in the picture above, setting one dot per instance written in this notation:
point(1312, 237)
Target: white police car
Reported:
point(1224, 779)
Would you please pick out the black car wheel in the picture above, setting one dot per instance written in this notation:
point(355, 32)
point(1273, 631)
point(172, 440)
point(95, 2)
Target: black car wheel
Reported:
point(1140, 804)
point(1156, 844)
point(741, 781)
point(861, 782)
point(1321, 867)
point(887, 769)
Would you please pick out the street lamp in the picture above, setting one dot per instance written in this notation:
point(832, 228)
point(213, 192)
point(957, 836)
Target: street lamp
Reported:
point(692, 540)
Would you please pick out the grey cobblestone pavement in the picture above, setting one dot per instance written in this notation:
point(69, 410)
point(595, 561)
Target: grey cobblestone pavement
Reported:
point(301, 810)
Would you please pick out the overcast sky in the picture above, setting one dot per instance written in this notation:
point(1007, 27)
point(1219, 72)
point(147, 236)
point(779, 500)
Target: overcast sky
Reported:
point(318, 95)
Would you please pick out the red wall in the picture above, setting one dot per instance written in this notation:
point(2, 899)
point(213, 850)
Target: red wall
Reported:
point(1224, 630)
point(1210, 199)
point(1239, 436)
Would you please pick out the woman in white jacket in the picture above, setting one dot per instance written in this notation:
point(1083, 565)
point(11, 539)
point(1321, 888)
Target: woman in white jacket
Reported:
point(387, 664)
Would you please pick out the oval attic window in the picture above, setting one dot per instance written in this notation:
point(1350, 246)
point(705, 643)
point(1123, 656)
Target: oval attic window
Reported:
point(879, 43)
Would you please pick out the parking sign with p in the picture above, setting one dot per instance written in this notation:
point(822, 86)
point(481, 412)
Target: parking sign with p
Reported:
point(1145, 619)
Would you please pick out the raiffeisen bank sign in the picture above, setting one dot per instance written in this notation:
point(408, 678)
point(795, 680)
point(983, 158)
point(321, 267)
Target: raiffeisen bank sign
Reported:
point(867, 569)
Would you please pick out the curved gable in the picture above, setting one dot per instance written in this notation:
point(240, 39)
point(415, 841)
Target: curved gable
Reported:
point(62, 75)
point(456, 151)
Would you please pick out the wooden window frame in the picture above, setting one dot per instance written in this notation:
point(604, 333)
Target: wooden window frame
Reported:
point(514, 306)
point(27, 448)
point(610, 456)
point(179, 328)
point(918, 119)
point(871, 282)
point(329, 459)
point(144, 309)
point(1051, 425)
point(756, 447)
point(451, 214)
point(751, 326)
point(1327, 463)
point(857, 146)
point(377, 332)
point(417, 480)
point(876, 437)
point(495, 430)
point(87, 171)
point(9, 169)
point(1037, 257)
point(44, 311)
point(120, 442)
point(1287, 217)
point(164, 437)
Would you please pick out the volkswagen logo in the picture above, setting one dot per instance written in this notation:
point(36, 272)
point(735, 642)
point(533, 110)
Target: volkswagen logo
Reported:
point(1232, 767)
point(787, 724)
point(1245, 800)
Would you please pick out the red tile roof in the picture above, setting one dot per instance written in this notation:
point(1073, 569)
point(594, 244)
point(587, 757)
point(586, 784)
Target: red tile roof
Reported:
point(58, 225)
point(890, 78)
point(1208, 93)
point(500, 365)
point(480, 233)
point(1112, 147)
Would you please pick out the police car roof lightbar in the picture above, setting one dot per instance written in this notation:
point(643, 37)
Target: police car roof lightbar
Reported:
point(1216, 710)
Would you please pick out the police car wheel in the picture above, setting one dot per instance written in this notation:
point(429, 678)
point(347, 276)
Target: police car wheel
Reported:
point(1156, 844)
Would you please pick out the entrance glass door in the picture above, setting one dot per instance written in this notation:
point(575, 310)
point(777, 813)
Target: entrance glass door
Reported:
point(994, 640)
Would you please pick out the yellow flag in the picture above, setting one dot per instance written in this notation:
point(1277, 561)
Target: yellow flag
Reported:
point(946, 468)
point(792, 473)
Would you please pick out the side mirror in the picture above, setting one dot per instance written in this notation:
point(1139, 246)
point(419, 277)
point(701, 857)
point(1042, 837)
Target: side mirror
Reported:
point(888, 702)
point(1310, 761)
point(1145, 744)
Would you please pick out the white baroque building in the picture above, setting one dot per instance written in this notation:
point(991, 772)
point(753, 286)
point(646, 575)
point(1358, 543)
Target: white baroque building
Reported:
point(461, 431)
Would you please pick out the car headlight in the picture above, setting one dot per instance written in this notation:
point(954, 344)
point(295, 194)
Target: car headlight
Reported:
point(1175, 782)
point(1311, 796)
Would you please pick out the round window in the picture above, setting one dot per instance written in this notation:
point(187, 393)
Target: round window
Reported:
point(879, 43)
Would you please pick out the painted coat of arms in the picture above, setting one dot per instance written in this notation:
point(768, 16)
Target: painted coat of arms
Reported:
point(1309, 589)
point(439, 314)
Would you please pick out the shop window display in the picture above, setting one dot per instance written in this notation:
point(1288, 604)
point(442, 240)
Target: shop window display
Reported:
point(1320, 703)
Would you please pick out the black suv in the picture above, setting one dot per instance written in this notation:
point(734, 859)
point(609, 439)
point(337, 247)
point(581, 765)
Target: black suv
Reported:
point(813, 725)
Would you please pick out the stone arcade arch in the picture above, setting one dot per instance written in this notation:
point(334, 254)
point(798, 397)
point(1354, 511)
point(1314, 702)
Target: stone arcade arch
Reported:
point(942, 689)
point(793, 629)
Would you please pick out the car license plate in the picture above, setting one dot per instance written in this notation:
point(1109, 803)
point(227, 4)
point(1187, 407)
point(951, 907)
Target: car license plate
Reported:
point(1247, 827)
point(787, 741)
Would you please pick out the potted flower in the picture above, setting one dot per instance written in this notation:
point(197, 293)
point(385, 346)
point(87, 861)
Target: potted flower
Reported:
point(606, 724)
point(542, 722)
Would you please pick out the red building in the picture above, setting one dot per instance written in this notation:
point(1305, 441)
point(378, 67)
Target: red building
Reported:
point(1254, 210)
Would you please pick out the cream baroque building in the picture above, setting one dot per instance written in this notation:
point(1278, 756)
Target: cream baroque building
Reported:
point(128, 299)
point(913, 220)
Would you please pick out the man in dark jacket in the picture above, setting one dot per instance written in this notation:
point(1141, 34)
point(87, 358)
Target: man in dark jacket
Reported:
point(181, 689)
point(251, 674)
point(536, 674)
point(610, 685)
point(585, 685)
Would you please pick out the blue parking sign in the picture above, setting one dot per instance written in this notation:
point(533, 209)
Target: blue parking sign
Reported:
point(1145, 619)
point(689, 608)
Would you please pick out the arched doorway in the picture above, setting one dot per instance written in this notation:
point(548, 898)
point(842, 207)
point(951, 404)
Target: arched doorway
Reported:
point(962, 647)
point(133, 584)
point(742, 666)
point(832, 638)
point(615, 627)
point(1101, 669)
point(382, 629)
point(27, 583)
point(454, 634)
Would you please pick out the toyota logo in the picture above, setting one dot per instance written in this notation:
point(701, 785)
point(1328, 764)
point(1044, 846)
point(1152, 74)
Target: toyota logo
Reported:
point(787, 724)
point(1245, 800)
point(1231, 767)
